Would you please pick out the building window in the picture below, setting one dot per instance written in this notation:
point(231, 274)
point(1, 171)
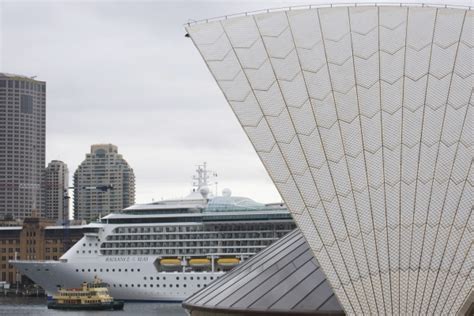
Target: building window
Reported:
point(26, 104)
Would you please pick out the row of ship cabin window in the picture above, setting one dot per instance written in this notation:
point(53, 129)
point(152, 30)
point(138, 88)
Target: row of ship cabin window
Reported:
point(144, 278)
point(107, 270)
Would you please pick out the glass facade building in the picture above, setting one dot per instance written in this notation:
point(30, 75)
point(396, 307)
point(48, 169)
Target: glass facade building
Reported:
point(362, 116)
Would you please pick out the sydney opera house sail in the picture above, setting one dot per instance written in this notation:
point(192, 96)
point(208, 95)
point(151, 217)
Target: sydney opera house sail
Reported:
point(362, 116)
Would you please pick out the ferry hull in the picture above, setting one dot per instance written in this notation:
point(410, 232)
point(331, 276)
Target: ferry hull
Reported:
point(115, 305)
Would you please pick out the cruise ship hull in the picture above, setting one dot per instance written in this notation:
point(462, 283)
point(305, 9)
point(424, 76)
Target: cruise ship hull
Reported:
point(141, 282)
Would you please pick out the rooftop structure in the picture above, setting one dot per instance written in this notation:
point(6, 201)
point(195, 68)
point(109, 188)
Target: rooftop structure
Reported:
point(362, 116)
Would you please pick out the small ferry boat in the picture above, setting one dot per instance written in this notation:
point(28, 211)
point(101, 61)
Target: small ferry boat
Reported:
point(91, 296)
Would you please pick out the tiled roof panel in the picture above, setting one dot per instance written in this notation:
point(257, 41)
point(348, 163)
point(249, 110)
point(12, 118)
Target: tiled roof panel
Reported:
point(283, 277)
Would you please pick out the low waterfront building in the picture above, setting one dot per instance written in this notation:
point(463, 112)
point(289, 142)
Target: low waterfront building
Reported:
point(33, 239)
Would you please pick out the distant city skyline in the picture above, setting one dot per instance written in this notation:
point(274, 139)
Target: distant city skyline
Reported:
point(129, 77)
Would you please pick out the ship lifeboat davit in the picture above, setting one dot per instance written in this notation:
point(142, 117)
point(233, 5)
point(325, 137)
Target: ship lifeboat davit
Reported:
point(199, 262)
point(228, 262)
point(170, 263)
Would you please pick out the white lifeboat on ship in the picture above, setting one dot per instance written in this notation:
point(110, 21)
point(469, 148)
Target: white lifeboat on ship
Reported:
point(228, 262)
point(199, 262)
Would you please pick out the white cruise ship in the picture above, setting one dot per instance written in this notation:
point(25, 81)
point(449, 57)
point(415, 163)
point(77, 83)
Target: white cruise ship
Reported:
point(167, 250)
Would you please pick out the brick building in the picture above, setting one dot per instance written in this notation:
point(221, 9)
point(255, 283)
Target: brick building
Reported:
point(33, 239)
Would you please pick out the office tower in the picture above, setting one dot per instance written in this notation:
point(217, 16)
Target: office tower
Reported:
point(362, 116)
point(103, 183)
point(22, 144)
point(55, 186)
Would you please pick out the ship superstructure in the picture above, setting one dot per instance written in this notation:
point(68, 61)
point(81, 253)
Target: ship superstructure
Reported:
point(165, 250)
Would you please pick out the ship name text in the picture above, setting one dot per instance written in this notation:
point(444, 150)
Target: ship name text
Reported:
point(126, 259)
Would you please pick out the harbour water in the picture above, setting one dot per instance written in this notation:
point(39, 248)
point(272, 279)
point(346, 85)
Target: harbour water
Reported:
point(37, 306)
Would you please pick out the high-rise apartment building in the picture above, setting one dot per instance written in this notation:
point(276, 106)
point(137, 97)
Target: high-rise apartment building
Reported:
point(22, 144)
point(103, 183)
point(56, 182)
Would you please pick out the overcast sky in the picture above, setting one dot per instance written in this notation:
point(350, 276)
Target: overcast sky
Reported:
point(122, 72)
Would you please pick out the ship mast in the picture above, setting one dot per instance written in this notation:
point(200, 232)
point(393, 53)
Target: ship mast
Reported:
point(201, 179)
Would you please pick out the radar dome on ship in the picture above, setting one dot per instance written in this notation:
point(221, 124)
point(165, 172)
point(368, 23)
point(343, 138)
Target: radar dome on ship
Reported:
point(226, 192)
point(204, 191)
